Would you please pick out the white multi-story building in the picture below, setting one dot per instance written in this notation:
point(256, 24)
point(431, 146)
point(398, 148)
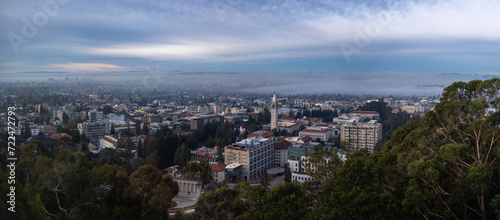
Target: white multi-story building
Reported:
point(115, 117)
point(35, 130)
point(361, 135)
point(301, 177)
point(289, 126)
point(302, 169)
point(323, 133)
point(255, 154)
point(372, 115)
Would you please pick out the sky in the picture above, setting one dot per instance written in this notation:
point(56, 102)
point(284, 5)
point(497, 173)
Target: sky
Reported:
point(414, 46)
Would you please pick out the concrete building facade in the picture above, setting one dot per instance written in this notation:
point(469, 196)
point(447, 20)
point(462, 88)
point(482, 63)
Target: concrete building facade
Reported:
point(93, 131)
point(361, 135)
point(274, 113)
point(197, 122)
point(255, 155)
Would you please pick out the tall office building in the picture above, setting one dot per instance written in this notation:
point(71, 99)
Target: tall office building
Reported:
point(274, 113)
point(361, 135)
point(94, 131)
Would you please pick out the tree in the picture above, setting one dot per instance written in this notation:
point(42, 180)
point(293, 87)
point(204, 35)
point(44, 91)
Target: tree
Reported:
point(107, 184)
point(145, 129)
point(76, 137)
point(153, 190)
point(217, 204)
point(63, 143)
point(138, 127)
point(182, 156)
point(65, 118)
point(107, 109)
point(198, 169)
point(450, 158)
point(286, 201)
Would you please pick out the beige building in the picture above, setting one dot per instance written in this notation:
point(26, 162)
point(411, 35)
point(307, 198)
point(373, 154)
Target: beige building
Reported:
point(409, 109)
point(188, 187)
point(274, 113)
point(281, 152)
point(361, 135)
point(218, 172)
point(255, 154)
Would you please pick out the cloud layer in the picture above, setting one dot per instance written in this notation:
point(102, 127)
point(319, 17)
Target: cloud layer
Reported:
point(336, 37)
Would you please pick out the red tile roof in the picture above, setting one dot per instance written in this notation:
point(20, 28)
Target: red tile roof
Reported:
point(205, 154)
point(261, 134)
point(218, 167)
point(282, 144)
point(306, 138)
point(316, 131)
point(290, 126)
point(110, 141)
point(311, 119)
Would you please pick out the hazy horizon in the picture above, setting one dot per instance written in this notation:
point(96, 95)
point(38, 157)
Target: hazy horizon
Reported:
point(380, 47)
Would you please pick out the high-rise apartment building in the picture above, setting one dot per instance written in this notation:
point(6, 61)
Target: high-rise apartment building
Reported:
point(255, 154)
point(361, 135)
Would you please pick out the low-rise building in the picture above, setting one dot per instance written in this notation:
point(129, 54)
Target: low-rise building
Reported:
point(289, 127)
point(323, 133)
point(218, 172)
point(108, 142)
point(188, 187)
point(205, 153)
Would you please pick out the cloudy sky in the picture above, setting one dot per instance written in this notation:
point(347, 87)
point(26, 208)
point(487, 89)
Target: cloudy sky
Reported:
point(417, 43)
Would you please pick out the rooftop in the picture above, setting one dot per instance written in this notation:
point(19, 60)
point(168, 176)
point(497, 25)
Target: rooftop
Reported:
point(57, 136)
point(313, 130)
point(205, 151)
point(263, 134)
point(364, 112)
point(250, 142)
point(233, 166)
point(205, 116)
point(218, 167)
